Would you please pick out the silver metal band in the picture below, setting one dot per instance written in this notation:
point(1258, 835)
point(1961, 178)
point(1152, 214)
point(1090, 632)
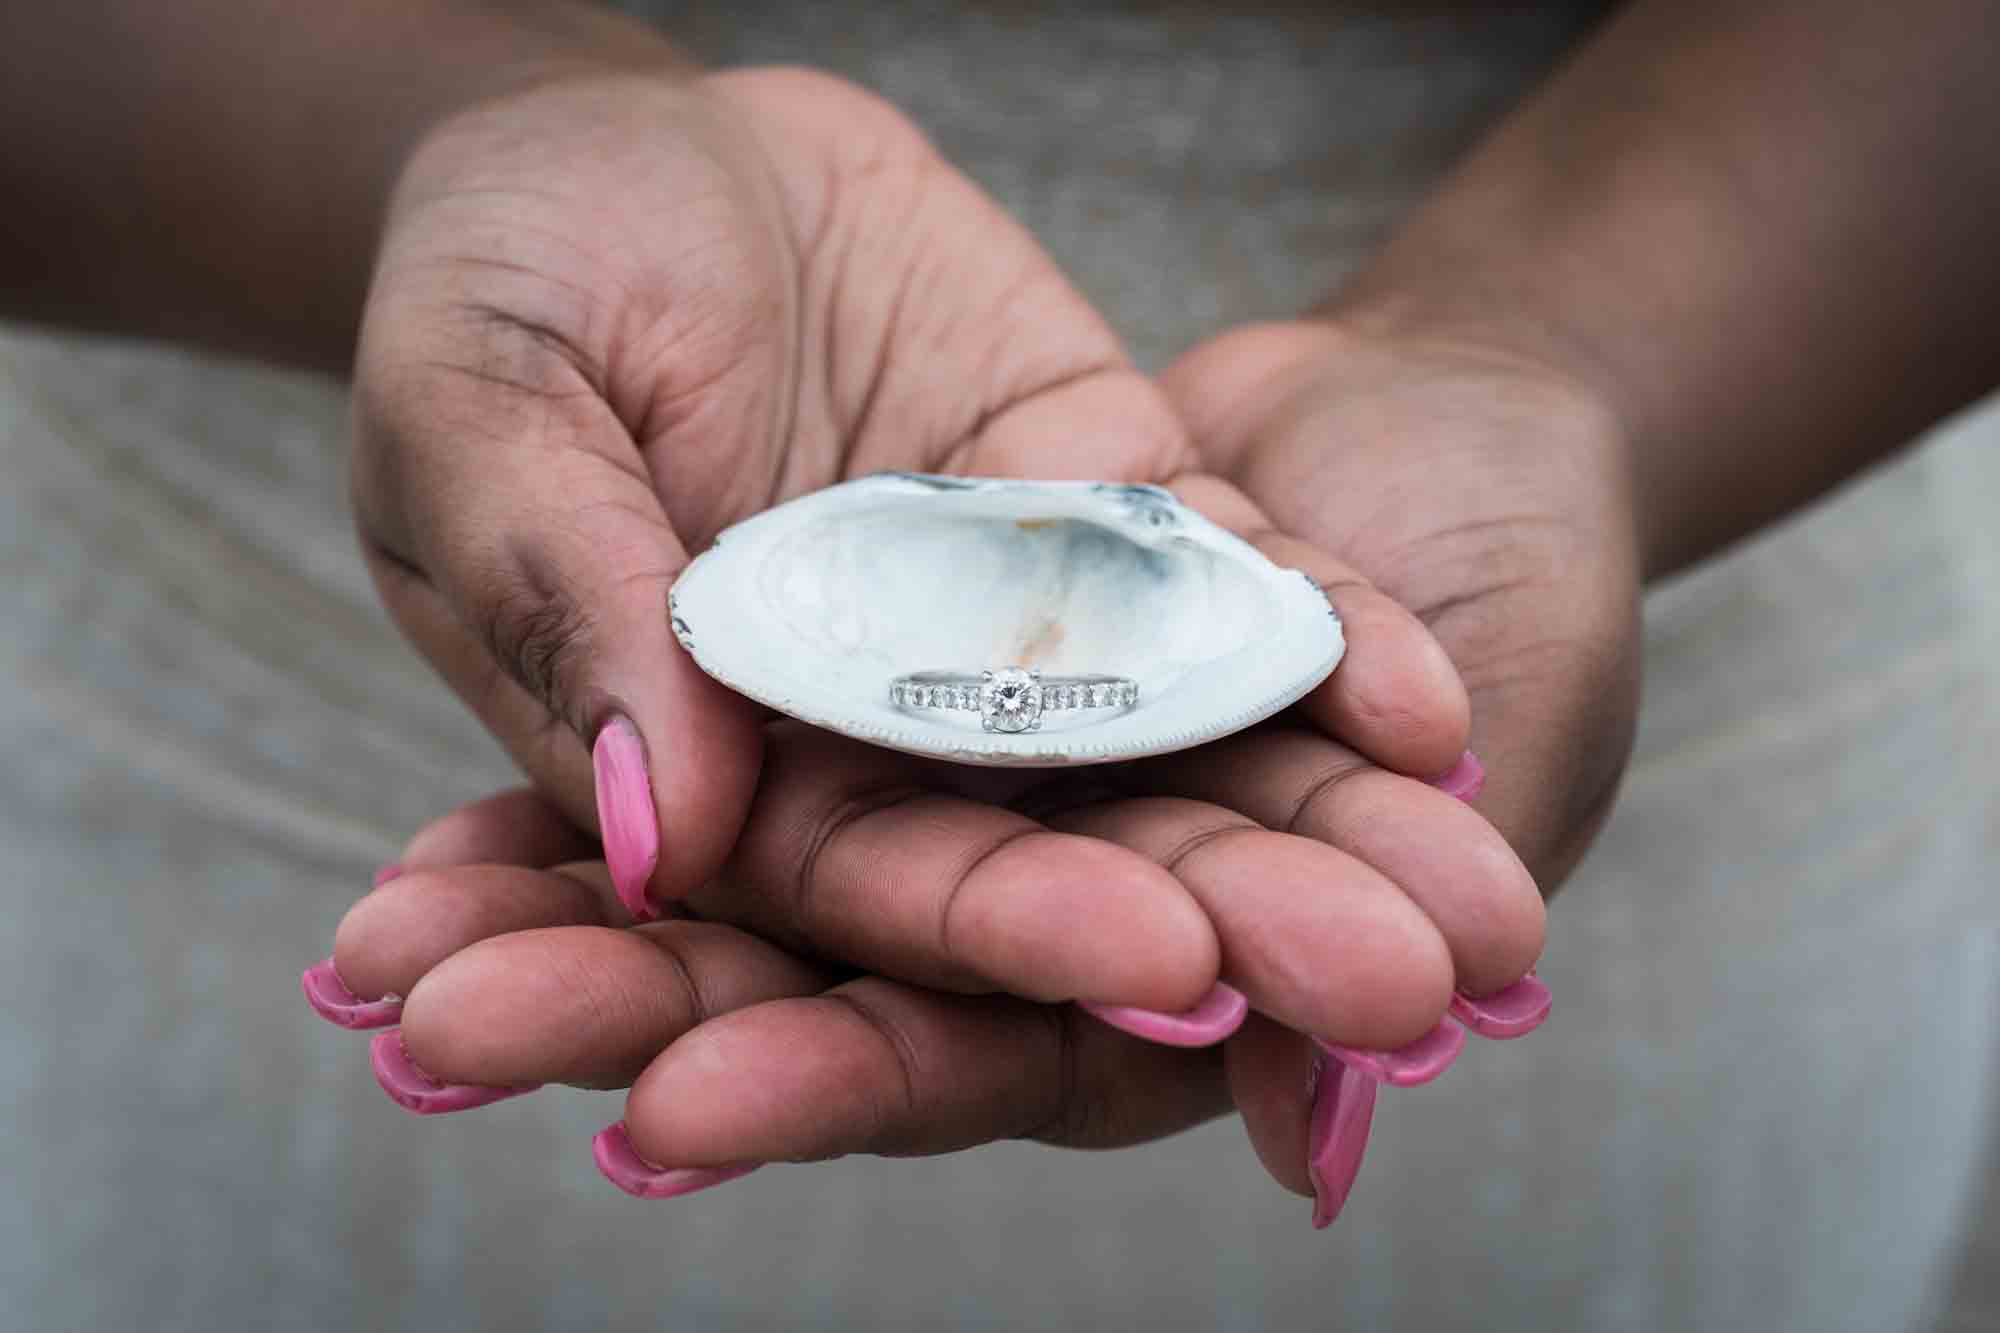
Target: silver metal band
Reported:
point(1010, 699)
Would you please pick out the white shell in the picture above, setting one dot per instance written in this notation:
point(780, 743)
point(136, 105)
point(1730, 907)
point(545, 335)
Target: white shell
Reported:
point(813, 607)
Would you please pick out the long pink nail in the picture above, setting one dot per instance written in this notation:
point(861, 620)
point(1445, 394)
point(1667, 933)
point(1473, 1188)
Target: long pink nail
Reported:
point(332, 1000)
point(626, 818)
point(1466, 779)
point(1513, 1012)
point(394, 870)
point(1217, 1017)
point(622, 1165)
point(414, 1090)
point(1419, 1062)
point(1343, 1109)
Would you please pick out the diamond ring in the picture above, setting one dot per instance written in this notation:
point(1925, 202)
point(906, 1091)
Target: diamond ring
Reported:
point(1010, 699)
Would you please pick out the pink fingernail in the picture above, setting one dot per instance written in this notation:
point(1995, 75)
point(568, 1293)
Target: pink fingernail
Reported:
point(1513, 1012)
point(1343, 1108)
point(393, 870)
point(1466, 779)
point(1419, 1062)
point(414, 1090)
point(332, 1000)
point(622, 1165)
point(1217, 1017)
point(626, 818)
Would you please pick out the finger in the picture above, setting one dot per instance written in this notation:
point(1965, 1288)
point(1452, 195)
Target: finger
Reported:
point(393, 937)
point(1436, 849)
point(1272, 1081)
point(584, 1005)
point(1307, 1113)
point(1112, 425)
point(512, 828)
point(1042, 387)
point(1554, 737)
point(489, 466)
point(879, 1067)
point(1395, 696)
point(548, 751)
point(853, 852)
point(520, 827)
point(1317, 939)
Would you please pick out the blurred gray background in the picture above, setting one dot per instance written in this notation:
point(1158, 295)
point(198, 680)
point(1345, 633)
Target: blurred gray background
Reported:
point(1765, 1100)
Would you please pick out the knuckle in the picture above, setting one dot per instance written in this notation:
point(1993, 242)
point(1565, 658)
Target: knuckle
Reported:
point(838, 818)
point(948, 914)
point(539, 633)
point(897, 1107)
point(1314, 801)
point(684, 996)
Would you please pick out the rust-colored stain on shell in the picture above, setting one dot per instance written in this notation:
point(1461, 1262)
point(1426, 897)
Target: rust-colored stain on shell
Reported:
point(1036, 524)
point(1040, 643)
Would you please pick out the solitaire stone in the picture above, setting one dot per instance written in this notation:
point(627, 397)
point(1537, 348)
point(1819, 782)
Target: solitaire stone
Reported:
point(1011, 701)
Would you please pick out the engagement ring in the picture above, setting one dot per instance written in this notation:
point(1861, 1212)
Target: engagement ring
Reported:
point(1010, 699)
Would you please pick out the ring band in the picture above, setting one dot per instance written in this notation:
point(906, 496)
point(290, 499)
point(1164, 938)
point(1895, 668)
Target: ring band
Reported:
point(1010, 699)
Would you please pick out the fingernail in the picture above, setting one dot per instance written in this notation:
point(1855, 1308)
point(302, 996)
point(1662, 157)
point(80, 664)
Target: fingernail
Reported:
point(1466, 779)
point(388, 872)
point(1513, 1012)
point(414, 1090)
point(1419, 1062)
point(622, 1165)
point(332, 1000)
point(1217, 1017)
point(625, 815)
point(1343, 1108)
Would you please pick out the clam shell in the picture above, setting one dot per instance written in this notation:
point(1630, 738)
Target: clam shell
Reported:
point(815, 606)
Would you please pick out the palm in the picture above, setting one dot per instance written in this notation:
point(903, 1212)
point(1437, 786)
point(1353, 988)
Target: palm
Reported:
point(1482, 493)
point(773, 283)
point(614, 315)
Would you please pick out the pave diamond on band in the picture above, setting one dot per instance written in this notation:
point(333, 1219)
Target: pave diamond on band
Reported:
point(1010, 699)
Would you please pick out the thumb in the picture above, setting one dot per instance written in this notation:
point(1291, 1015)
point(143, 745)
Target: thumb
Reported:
point(516, 536)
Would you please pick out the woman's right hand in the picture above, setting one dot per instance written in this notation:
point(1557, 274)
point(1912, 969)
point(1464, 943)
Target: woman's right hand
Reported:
point(613, 314)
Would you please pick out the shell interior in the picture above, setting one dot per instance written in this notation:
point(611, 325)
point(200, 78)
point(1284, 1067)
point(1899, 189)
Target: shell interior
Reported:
point(815, 606)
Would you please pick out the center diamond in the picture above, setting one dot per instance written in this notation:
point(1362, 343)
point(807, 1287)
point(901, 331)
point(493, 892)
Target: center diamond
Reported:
point(1010, 700)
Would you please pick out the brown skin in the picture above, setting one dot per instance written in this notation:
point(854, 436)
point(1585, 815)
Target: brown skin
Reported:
point(1504, 421)
point(216, 170)
point(613, 315)
point(1759, 235)
point(1722, 260)
point(1486, 493)
point(616, 307)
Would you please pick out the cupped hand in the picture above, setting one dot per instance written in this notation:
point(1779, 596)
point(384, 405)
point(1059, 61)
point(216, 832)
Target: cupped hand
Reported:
point(612, 315)
point(1486, 492)
point(1347, 911)
point(511, 962)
